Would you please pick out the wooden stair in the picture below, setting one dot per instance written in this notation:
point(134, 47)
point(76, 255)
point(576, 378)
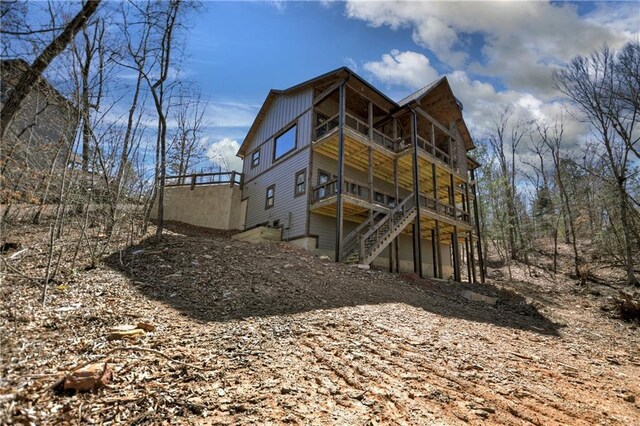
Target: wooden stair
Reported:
point(379, 236)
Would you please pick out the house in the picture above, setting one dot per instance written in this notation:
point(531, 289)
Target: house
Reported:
point(345, 171)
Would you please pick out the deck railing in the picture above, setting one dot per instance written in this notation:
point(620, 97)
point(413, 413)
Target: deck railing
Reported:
point(329, 189)
point(223, 178)
point(380, 138)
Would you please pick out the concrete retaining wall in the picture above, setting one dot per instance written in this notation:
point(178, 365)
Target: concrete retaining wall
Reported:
point(261, 234)
point(209, 206)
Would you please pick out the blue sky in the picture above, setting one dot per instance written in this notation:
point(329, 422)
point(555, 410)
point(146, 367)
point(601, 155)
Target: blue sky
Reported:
point(494, 53)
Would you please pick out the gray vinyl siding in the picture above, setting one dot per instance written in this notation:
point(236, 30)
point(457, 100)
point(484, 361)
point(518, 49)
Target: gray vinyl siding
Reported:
point(285, 203)
point(281, 114)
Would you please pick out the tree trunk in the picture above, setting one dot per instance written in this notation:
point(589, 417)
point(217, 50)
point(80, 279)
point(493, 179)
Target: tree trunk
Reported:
point(30, 77)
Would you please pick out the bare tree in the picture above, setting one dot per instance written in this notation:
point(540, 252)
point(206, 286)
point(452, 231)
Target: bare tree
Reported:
point(32, 74)
point(551, 136)
point(603, 86)
point(186, 149)
point(504, 139)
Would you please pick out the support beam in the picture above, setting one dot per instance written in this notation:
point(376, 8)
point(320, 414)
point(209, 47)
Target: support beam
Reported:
point(477, 222)
point(434, 177)
point(456, 255)
point(452, 195)
point(327, 92)
point(438, 251)
point(434, 243)
point(340, 183)
point(467, 257)
point(473, 258)
point(396, 242)
point(416, 190)
point(434, 122)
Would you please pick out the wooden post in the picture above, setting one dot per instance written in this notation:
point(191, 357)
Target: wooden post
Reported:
point(473, 261)
point(438, 251)
point(193, 181)
point(434, 253)
point(370, 180)
point(340, 183)
point(233, 178)
point(416, 190)
point(467, 257)
point(477, 221)
point(452, 196)
point(467, 207)
point(456, 255)
point(433, 140)
point(370, 107)
point(397, 195)
point(434, 176)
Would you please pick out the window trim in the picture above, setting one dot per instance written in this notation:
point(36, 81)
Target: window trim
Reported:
point(279, 134)
point(322, 172)
point(257, 151)
point(297, 193)
point(272, 198)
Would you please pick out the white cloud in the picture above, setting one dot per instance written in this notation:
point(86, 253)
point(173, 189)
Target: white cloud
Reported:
point(223, 153)
point(521, 42)
point(409, 69)
point(351, 63)
point(230, 114)
point(480, 99)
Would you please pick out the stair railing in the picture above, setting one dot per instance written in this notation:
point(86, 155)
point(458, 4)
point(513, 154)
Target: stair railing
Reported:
point(385, 225)
point(351, 240)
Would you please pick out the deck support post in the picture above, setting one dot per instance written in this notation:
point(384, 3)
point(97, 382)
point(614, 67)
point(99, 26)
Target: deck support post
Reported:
point(467, 258)
point(434, 177)
point(416, 190)
point(434, 253)
point(396, 240)
point(473, 258)
point(340, 183)
point(456, 254)
point(438, 251)
point(477, 222)
point(452, 196)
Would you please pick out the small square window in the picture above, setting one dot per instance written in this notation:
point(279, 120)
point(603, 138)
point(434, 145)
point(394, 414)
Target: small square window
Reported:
point(271, 195)
point(378, 197)
point(255, 158)
point(301, 182)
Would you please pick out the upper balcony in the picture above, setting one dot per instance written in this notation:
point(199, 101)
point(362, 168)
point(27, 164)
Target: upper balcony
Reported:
point(359, 130)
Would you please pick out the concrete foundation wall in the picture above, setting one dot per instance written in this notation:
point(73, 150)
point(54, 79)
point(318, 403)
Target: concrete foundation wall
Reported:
point(261, 234)
point(209, 206)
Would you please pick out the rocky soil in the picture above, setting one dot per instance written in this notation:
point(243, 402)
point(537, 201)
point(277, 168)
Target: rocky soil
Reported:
point(268, 334)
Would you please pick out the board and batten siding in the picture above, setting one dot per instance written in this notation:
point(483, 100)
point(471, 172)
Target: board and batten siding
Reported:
point(289, 210)
point(285, 111)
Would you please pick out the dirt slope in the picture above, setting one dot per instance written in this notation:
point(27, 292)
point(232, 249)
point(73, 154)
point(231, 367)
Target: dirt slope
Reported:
point(273, 335)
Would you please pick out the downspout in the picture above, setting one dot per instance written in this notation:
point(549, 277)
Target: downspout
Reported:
point(416, 190)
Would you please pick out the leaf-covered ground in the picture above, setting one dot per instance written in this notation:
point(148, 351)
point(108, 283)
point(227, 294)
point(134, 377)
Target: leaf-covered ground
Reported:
point(269, 334)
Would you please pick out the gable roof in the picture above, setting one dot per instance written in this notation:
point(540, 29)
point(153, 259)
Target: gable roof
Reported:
point(435, 91)
point(346, 73)
point(342, 72)
point(415, 96)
